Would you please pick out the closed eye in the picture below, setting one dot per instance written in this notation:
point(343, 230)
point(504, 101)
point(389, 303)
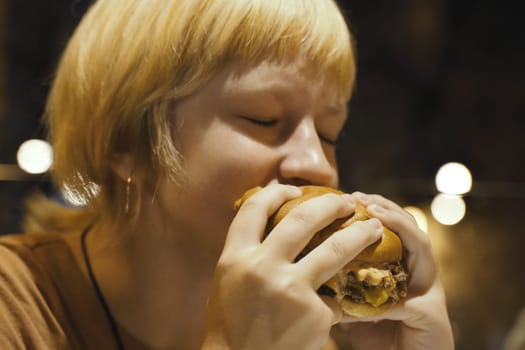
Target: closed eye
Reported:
point(261, 122)
point(328, 140)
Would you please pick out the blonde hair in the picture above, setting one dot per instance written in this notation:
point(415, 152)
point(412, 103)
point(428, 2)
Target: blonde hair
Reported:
point(130, 61)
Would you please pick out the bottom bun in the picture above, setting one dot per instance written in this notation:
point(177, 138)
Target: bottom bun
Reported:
point(362, 310)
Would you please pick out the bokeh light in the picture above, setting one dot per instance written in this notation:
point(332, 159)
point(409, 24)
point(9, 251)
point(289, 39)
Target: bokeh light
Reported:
point(448, 209)
point(453, 178)
point(35, 156)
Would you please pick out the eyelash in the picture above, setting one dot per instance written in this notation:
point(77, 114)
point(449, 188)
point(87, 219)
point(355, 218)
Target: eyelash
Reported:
point(273, 122)
point(328, 141)
point(264, 123)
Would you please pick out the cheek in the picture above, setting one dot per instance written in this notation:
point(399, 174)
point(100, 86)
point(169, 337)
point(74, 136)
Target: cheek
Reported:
point(218, 173)
point(230, 172)
point(230, 159)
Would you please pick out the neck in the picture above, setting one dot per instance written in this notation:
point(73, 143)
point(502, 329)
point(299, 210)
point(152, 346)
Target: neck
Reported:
point(155, 282)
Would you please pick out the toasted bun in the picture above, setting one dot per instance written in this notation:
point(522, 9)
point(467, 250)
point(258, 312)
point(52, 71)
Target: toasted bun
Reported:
point(388, 249)
point(362, 310)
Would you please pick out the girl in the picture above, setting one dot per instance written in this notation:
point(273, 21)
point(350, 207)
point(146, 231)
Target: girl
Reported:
point(161, 115)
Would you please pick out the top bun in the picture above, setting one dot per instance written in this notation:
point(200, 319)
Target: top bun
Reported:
point(388, 249)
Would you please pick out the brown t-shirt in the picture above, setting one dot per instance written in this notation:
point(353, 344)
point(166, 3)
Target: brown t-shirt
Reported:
point(46, 302)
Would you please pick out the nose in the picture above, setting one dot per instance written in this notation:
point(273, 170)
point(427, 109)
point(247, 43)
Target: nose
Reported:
point(306, 160)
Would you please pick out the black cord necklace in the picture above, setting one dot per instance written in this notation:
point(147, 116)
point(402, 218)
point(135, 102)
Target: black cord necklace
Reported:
point(98, 291)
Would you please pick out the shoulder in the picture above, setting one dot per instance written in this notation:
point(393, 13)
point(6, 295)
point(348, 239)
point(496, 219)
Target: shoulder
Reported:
point(45, 298)
point(39, 253)
point(21, 242)
point(26, 317)
point(18, 262)
point(39, 262)
point(25, 259)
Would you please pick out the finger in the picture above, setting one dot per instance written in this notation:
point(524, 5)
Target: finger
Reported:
point(420, 260)
point(289, 237)
point(369, 199)
point(336, 251)
point(401, 224)
point(247, 228)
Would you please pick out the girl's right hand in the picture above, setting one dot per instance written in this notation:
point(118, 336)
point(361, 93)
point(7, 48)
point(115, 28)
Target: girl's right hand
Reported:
point(260, 297)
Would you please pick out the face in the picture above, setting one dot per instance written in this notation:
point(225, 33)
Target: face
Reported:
point(251, 126)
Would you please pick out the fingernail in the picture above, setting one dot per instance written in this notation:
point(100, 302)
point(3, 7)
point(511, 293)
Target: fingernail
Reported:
point(377, 224)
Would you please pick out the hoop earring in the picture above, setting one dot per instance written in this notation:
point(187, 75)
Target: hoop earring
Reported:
point(128, 190)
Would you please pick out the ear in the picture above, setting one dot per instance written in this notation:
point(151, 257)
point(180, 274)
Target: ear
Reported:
point(122, 165)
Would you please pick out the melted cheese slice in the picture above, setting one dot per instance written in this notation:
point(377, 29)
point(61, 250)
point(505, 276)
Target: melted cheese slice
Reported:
point(371, 275)
point(375, 296)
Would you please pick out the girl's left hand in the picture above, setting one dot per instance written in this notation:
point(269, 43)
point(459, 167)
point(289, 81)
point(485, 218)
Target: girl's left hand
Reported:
point(421, 320)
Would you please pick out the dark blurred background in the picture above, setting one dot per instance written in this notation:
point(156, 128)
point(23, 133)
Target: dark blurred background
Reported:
point(438, 81)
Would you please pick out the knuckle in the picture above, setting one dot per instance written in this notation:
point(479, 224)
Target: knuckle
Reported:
point(391, 216)
point(333, 202)
point(283, 285)
point(300, 216)
point(306, 213)
point(228, 263)
point(253, 268)
point(223, 264)
point(249, 205)
point(410, 216)
point(244, 266)
point(377, 197)
point(289, 285)
point(337, 248)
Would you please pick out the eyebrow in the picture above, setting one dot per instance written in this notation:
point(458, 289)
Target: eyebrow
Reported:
point(279, 91)
point(336, 108)
point(282, 93)
point(274, 88)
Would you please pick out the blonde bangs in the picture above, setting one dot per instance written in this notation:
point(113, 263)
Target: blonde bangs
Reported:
point(288, 30)
point(251, 31)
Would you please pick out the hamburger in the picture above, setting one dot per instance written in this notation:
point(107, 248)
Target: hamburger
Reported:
point(373, 281)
